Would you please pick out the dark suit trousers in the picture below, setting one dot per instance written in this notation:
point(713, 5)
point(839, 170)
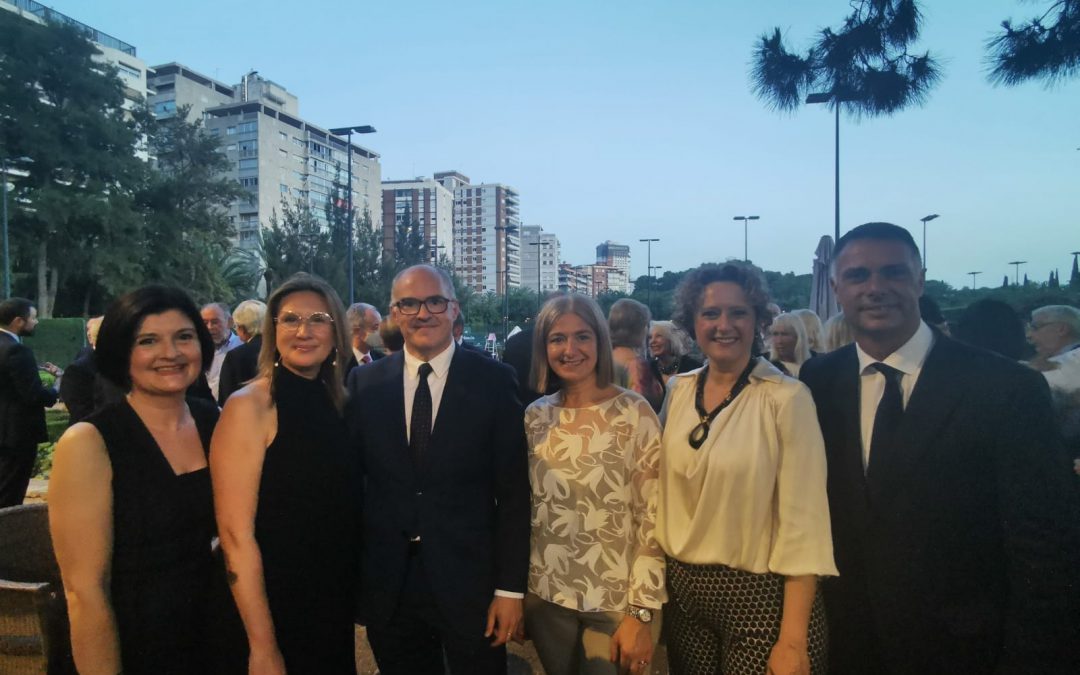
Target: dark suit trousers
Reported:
point(414, 641)
point(16, 465)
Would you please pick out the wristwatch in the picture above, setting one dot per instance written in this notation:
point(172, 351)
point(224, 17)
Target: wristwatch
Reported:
point(642, 614)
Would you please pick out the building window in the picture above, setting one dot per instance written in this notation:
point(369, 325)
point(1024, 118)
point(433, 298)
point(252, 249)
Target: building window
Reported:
point(248, 164)
point(231, 131)
point(249, 181)
point(247, 128)
point(283, 136)
point(283, 153)
point(284, 189)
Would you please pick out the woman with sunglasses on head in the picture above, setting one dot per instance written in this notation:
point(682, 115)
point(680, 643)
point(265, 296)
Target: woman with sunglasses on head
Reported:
point(283, 493)
point(743, 515)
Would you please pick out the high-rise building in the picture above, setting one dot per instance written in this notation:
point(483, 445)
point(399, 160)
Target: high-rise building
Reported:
point(591, 280)
point(274, 153)
point(539, 259)
point(426, 203)
point(613, 254)
point(131, 69)
point(487, 239)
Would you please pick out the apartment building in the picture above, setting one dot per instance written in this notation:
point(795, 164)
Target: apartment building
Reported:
point(539, 259)
point(487, 233)
point(425, 203)
point(614, 254)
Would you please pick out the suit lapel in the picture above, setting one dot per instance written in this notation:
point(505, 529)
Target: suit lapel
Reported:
point(394, 401)
point(932, 403)
point(453, 401)
point(849, 469)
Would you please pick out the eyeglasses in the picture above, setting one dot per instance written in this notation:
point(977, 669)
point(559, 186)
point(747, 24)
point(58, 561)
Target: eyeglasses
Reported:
point(1039, 326)
point(291, 321)
point(436, 304)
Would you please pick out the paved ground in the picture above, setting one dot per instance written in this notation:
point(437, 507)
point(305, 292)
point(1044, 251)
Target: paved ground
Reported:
point(522, 660)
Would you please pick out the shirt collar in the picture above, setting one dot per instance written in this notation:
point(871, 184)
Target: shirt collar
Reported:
point(439, 365)
point(17, 338)
point(909, 358)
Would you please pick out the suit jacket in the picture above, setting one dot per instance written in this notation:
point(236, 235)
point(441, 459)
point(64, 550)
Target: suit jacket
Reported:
point(77, 388)
point(518, 355)
point(23, 398)
point(959, 555)
point(352, 362)
point(240, 365)
point(470, 502)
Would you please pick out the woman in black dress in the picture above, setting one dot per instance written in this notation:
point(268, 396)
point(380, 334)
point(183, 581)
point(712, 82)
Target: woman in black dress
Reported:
point(283, 492)
point(130, 507)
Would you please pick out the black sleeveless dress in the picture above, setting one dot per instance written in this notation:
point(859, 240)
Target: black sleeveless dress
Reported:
point(305, 527)
point(162, 566)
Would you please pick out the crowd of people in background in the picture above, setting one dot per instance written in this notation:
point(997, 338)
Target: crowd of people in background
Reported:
point(880, 493)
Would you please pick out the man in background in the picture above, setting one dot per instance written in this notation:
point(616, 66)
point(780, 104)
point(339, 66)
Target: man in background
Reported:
point(242, 364)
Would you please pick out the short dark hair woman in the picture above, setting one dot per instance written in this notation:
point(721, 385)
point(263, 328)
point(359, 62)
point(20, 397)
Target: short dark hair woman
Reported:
point(285, 503)
point(130, 506)
point(743, 516)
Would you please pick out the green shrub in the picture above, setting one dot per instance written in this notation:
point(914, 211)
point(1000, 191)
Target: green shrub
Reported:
point(56, 422)
point(43, 463)
point(57, 340)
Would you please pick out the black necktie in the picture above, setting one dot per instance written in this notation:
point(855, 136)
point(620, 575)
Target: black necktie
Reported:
point(887, 418)
point(420, 426)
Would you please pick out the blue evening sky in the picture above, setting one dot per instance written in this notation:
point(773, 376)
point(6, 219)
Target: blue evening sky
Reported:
point(631, 119)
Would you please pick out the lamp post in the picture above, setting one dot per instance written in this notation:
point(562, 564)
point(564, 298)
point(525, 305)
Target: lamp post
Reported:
point(1017, 264)
point(348, 132)
point(826, 97)
point(506, 230)
point(973, 275)
point(925, 220)
point(648, 263)
point(538, 244)
point(652, 282)
point(4, 172)
point(745, 234)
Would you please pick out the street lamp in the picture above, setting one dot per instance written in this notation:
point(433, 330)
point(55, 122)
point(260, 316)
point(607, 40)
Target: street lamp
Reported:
point(1017, 264)
point(648, 262)
point(925, 220)
point(973, 275)
point(507, 230)
point(538, 244)
point(5, 171)
point(348, 132)
point(745, 234)
point(826, 97)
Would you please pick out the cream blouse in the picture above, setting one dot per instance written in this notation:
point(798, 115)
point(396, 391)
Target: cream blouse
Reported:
point(594, 473)
point(753, 497)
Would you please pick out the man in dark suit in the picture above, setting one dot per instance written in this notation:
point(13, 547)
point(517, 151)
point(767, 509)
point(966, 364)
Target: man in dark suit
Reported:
point(81, 389)
point(23, 399)
point(242, 364)
point(954, 524)
point(442, 451)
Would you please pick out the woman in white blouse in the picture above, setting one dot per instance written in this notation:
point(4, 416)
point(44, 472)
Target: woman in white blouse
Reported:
point(743, 512)
point(596, 572)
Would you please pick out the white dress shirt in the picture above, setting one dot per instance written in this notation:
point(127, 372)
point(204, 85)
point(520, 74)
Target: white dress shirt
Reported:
point(362, 358)
point(213, 376)
point(909, 360)
point(440, 368)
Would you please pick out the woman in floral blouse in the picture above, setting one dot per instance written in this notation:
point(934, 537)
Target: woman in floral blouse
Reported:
point(596, 573)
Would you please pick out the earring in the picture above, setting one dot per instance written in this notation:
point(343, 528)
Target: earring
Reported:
point(277, 362)
point(334, 362)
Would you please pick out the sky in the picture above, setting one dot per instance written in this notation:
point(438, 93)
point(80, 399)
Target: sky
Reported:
point(628, 120)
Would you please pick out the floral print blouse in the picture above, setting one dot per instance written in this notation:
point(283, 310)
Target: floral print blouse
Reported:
point(594, 473)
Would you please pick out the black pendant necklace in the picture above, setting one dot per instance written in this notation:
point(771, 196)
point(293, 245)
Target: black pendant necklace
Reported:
point(700, 433)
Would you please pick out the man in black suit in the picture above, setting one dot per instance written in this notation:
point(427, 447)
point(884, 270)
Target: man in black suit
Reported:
point(439, 434)
point(954, 524)
point(242, 364)
point(23, 399)
point(81, 390)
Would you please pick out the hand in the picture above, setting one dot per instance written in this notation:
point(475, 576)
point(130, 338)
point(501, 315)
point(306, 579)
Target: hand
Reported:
point(504, 615)
point(52, 369)
point(266, 661)
point(788, 658)
point(1076, 466)
point(520, 636)
point(631, 646)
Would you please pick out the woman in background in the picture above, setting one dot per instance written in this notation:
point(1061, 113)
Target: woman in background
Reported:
point(668, 351)
point(788, 349)
point(628, 321)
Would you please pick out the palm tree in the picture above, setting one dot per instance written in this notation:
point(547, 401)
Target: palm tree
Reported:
point(865, 66)
point(1035, 50)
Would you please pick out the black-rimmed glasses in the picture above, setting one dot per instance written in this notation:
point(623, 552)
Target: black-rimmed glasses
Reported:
point(436, 304)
